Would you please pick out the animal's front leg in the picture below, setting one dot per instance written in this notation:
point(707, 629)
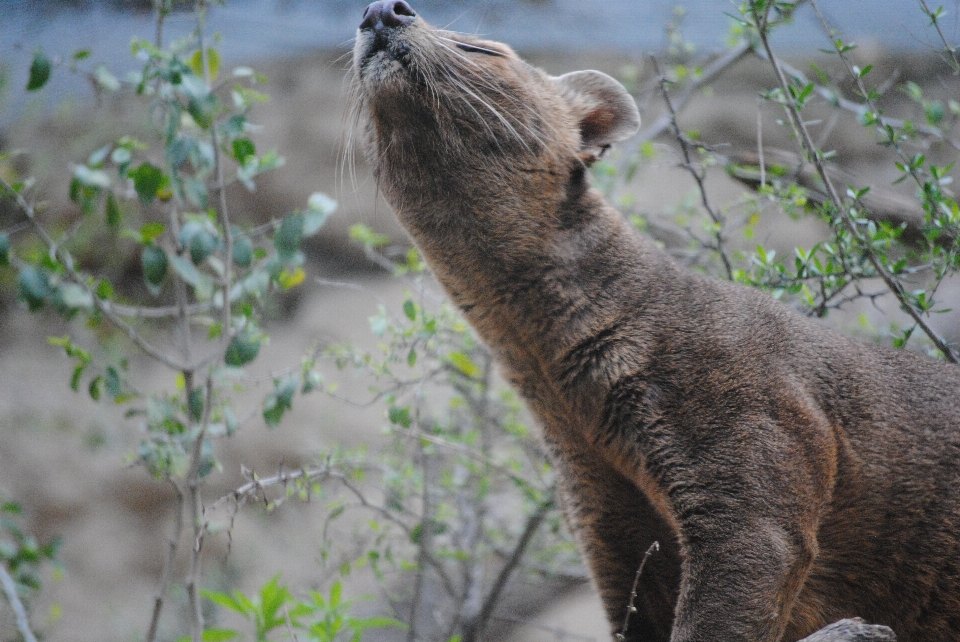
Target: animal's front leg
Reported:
point(740, 578)
point(614, 525)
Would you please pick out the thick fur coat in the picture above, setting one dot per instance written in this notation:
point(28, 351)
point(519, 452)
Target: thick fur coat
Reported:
point(793, 476)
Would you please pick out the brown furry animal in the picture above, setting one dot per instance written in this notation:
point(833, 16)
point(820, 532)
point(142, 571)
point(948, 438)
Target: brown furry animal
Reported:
point(793, 476)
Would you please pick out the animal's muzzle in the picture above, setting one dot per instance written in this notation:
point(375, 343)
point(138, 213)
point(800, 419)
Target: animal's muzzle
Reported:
point(386, 14)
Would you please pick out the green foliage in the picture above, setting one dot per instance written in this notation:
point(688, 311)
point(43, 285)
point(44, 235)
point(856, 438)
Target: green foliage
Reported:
point(20, 552)
point(459, 487)
point(39, 71)
point(459, 452)
point(319, 618)
point(164, 197)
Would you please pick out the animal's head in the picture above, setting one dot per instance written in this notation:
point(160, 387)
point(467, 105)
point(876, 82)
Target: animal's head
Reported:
point(449, 117)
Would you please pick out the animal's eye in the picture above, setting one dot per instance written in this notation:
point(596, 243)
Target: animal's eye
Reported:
point(475, 49)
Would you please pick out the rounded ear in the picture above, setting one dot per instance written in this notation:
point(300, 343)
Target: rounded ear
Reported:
point(606, 112)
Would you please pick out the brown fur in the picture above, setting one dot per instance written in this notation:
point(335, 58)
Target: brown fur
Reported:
point(793, 476)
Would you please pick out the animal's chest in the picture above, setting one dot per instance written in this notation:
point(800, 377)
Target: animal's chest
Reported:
point(577, 434)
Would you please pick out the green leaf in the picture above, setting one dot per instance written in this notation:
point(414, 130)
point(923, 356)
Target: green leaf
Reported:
point(243, 349)
point(289, 236)
point(280, 401)
point(410, 309)
point(105, 80)
point(147, 179)
point(365, 235)
point(204, 110)
point(243, 149)
point(311, 381)
point(4, 249)
point(213, 62)
point(91, 177)
point(151, 231)
point(200, 239)
point(244, 607)
point(202, 284)
point(242, 251)
point(463, 363)
point(111, 382)
point(96, 388)
point(400, 416)
point(39, 71)
point(288, 280)
point(33, 286)
point(213, 635)
point(75, 378)
point(113, 213)
point(70, 296)
point(155, 266)
point(319, 207)
point(195, 403)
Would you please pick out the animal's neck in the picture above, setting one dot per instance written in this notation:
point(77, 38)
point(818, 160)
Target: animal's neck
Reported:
point(534, 287)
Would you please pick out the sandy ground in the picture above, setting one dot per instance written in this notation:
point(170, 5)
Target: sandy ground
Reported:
point(64, 458)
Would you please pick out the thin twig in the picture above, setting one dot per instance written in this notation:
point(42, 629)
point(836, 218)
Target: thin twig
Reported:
point(10, 588)
point(476, 628)
point(947, 46)
point(172, 544)
point(286, 616)
point(859, 109)
point(465, 451)
point(221, 183)
point(193, 483)
point(698, 175)
point(710, 73)
point(631, 606)
point(426, 532)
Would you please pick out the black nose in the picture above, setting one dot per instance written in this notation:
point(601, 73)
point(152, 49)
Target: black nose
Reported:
point(387, 13)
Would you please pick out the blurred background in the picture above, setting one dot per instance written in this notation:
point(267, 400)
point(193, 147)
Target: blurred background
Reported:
point(64, 459)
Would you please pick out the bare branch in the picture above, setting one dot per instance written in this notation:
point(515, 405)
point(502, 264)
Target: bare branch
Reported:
point(10, 589)
point(475, 629)
point(631, 606)
point(710, 73)
point(172, 543)
point(879, 204)
point(697, 174)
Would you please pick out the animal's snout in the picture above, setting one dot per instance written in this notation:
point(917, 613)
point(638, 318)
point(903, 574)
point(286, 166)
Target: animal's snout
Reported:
point(387, 13)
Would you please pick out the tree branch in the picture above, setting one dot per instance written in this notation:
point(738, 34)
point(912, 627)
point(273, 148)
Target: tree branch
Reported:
point(803, 136)
point(67, 261)
point(852, 631)
point(10, 589)
point(172, 544)
point(475, 629)
point(698, 175)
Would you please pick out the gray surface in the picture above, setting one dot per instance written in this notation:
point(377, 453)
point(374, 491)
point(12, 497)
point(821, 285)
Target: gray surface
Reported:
point(257, 29)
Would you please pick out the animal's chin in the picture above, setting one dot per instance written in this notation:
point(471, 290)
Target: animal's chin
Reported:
point(379, 58)
point(379, 68)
